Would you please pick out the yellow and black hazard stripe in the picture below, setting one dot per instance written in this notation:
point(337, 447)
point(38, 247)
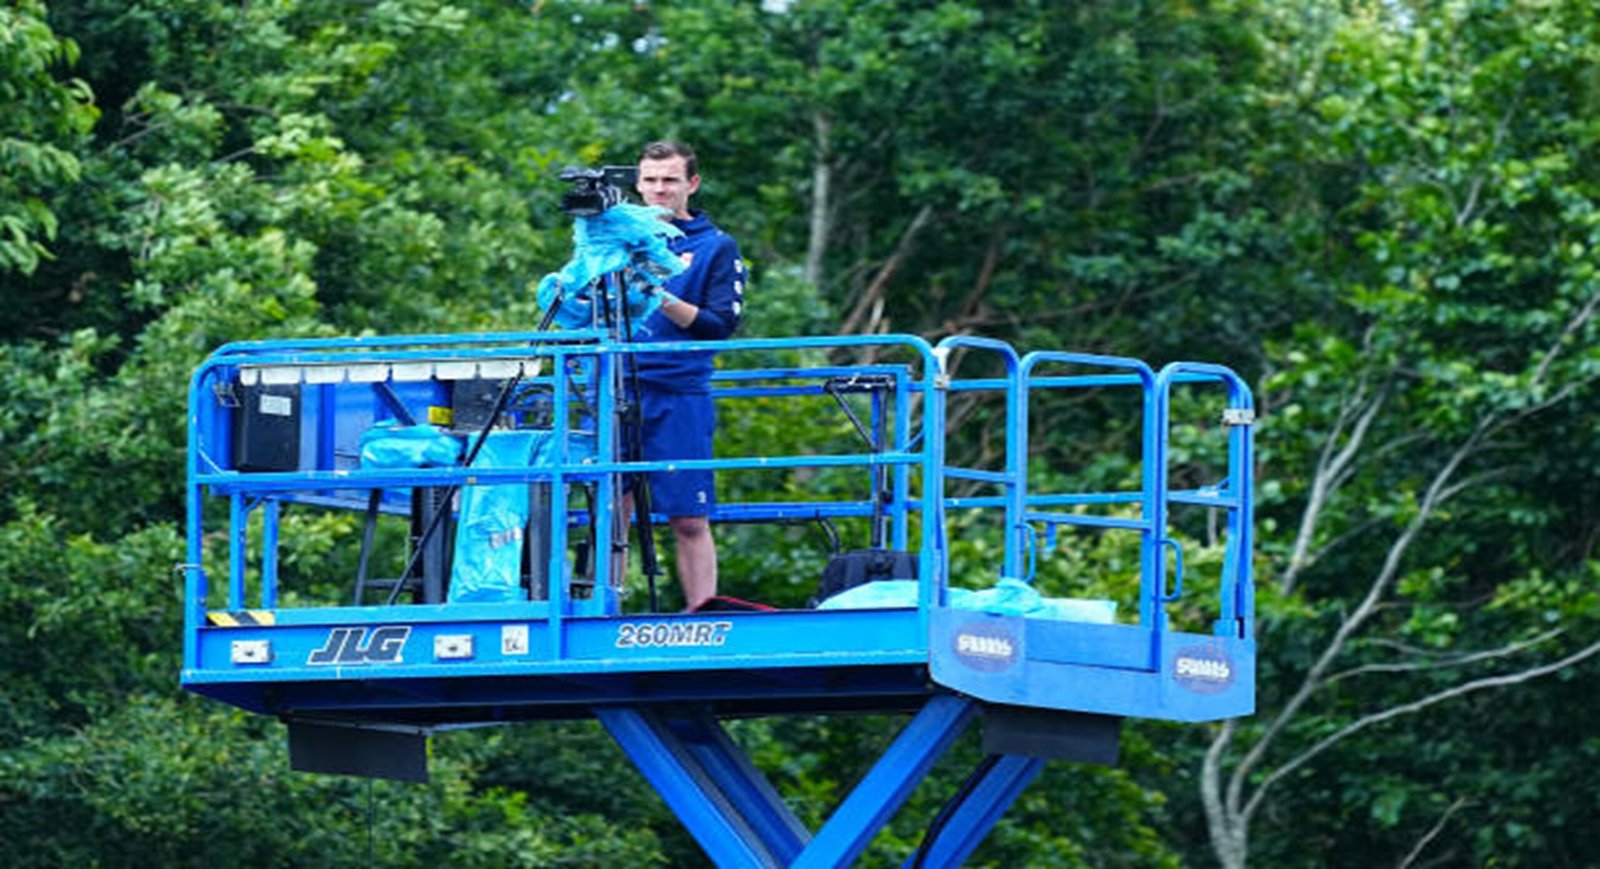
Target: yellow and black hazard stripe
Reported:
point(242, 618)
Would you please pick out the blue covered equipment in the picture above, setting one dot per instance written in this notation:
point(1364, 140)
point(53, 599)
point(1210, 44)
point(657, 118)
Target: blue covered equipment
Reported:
point(389, 444)
point(487, 565)
point(628, 239)
point(488, 556)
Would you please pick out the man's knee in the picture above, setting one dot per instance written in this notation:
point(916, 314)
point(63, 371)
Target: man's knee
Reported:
point(690, 527)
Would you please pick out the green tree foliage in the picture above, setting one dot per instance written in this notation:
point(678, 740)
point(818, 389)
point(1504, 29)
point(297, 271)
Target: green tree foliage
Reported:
point(46, 116)
point(1381, 213)
point(1429, 521)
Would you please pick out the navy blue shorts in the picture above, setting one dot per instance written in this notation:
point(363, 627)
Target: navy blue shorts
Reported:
point(679, 425)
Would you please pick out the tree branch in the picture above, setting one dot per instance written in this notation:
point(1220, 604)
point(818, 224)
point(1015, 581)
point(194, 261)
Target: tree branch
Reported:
point(872, 297)
point(1577, 322)
point(1475, 480)
point(1448, 661)
point(1406, 709)
point(1432, 833)
point(980, 286)
point(1335, 543)
point(1442, 487)
point(1225, 838)
point(1332, 465)
point(1380, 585)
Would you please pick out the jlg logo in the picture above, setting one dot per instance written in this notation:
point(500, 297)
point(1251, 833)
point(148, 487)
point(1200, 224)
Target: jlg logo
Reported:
point(355, 646)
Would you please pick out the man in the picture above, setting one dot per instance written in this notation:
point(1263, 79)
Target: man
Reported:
point(678, 419)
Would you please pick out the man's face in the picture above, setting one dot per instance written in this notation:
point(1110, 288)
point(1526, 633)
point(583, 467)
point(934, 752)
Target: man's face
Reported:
point(666, 184)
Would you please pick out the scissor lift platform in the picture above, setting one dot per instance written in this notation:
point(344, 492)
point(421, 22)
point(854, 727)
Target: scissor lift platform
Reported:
point(474, 663)
point(660, 682)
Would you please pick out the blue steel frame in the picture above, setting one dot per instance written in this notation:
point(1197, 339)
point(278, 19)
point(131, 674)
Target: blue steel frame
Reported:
point(658, 681)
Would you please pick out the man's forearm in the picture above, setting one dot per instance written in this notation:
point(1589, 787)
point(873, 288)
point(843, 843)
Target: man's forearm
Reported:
point(681, 313)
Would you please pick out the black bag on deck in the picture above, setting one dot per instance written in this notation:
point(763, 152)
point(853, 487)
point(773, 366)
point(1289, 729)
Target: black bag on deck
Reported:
point(847, 570)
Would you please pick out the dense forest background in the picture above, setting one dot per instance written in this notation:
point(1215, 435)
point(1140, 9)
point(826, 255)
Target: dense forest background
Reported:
point(1384, 214)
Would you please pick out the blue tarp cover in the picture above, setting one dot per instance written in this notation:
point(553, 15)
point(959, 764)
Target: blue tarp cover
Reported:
point(628, 239)
point(1011, 597)
point(391, 445)
point(487, 565)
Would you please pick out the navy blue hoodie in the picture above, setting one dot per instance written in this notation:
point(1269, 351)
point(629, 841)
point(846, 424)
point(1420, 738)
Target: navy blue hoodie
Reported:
point(714, 283)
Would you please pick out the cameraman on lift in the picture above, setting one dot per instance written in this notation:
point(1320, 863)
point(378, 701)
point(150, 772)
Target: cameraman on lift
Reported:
point(677, 416)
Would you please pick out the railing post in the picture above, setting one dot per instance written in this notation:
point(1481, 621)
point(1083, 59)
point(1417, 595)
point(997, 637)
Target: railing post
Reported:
point(1237, 592)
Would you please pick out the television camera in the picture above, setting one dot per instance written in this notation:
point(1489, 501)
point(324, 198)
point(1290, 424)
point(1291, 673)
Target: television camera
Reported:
point(595, 190)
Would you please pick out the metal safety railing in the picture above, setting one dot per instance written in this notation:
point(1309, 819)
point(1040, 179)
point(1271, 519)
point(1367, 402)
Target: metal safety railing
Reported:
point(346, 384)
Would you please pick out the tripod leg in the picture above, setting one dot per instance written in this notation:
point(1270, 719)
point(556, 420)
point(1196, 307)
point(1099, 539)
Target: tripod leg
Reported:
point(367, 532)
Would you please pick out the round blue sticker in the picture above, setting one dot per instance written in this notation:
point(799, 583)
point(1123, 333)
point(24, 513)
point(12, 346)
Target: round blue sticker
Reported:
point(1203, 669)
point(986, 645)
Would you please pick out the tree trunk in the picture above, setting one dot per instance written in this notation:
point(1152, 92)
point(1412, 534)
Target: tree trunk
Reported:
point(821, 202)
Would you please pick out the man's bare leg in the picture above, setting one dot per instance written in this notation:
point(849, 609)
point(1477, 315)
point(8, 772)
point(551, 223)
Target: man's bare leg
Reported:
point(697, 558)
point(696, 550)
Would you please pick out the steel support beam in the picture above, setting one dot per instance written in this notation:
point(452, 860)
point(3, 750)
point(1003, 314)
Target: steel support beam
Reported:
point(887, 785)
point(980, 803)
point(746, 789)
point(709, 784)
point(740, 820)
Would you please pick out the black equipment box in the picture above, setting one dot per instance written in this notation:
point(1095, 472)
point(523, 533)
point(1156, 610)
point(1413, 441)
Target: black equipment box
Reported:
point(847, 570)
point(266, 428)
point(472, 403)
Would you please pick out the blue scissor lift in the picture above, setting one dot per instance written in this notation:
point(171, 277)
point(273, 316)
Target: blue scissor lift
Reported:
point(276, 424)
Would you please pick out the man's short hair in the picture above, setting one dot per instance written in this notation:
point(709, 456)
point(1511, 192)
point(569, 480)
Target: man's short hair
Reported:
point(667, 149)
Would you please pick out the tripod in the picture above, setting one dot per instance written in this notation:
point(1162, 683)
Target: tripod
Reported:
point(608, 315)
